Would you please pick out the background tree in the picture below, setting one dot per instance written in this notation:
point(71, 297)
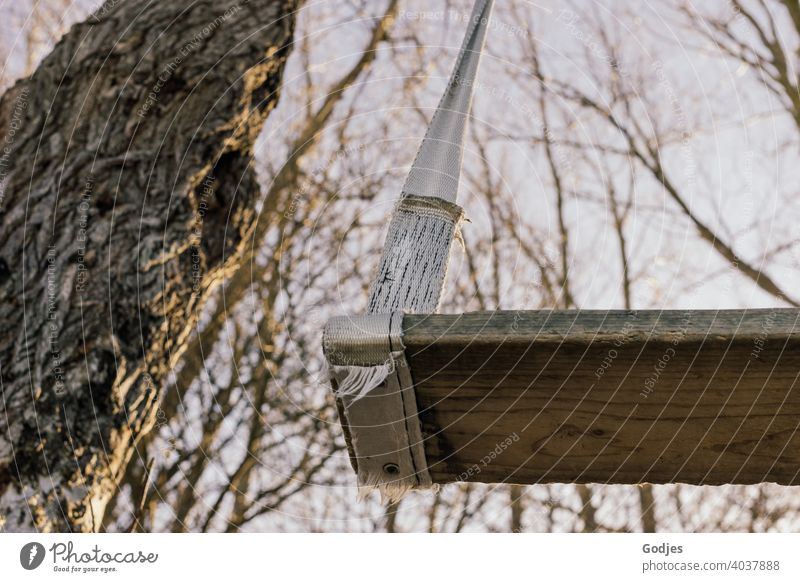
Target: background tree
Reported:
point(127, 191)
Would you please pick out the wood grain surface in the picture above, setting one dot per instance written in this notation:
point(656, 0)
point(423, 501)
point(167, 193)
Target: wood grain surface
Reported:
point(700, 397)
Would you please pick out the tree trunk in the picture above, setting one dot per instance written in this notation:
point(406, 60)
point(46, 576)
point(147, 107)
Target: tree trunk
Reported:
point(126, 191)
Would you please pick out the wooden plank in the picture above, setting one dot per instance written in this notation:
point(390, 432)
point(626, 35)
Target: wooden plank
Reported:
point(701, 397)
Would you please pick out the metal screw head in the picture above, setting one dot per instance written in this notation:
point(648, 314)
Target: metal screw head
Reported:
point(391, 469)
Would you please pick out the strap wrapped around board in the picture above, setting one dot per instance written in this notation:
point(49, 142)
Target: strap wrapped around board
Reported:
point(365, 354)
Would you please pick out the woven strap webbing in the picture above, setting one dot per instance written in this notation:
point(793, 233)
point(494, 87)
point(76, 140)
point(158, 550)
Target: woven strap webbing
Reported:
point(365, 354)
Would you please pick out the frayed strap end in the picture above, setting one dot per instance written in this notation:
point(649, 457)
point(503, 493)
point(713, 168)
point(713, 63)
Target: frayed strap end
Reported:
point(355, 382)
point(378, 403)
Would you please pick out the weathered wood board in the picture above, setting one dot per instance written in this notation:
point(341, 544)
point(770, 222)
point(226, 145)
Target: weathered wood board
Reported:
point(700, 397)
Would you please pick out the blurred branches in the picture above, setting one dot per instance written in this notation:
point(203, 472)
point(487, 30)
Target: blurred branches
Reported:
point(560, 185)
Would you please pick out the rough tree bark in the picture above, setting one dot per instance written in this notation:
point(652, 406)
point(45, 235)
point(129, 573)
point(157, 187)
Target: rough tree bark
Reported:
point(126, 191)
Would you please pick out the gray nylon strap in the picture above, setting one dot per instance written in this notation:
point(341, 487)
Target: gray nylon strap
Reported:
point(377, 397)
point(426, 220)
point(366, 357)
point(437, 167)
point(414, 262)
point(362, 340)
